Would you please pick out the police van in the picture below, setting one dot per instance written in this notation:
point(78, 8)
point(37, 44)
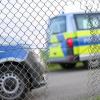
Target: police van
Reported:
point(74, 37)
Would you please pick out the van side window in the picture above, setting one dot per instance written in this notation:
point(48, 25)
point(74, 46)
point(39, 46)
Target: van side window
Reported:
point(57, 25)
point(88, 21)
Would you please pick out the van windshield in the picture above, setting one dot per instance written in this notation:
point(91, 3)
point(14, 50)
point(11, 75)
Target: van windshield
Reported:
point(57, 25)
point(87, 21)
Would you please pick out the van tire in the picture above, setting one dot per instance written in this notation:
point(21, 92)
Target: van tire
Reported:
point(92, 64)
point(86, 64)
point(68, 65)
point(13, 72)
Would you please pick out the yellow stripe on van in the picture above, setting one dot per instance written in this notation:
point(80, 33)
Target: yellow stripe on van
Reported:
point(53, 39)
point(85, 33)
point(69, 35)
point(76, 51)
point(56, 52)
point(90, 49)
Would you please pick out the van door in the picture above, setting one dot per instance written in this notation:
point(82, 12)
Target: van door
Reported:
point(87, 43)
point(57, 44)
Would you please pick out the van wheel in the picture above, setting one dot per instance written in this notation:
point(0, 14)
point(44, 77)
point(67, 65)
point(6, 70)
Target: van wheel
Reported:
point(13, 83)
point(68, 65)
point(93, 64)
point(85, 64)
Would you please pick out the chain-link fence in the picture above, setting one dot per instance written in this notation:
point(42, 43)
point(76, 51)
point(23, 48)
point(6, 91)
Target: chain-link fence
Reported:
point(22, 35)
point(24, 39)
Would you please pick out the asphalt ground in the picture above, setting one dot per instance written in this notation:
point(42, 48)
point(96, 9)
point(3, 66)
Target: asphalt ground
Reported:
point(64, 85)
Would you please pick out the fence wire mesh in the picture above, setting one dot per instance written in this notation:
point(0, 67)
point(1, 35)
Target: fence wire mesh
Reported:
point(23, 44)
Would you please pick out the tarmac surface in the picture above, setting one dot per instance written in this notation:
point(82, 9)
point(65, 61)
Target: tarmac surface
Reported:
point(64, 85)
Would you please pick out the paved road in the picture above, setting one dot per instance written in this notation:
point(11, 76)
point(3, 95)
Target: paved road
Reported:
point(64, 86)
